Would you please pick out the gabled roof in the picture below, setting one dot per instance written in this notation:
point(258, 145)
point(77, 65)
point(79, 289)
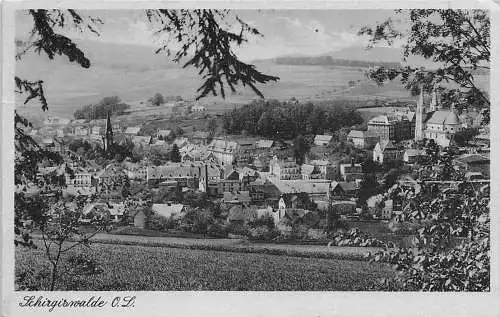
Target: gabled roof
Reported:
point(383, 119)
point(141, 139)
point(164, 133)
point(299, 186)
point(172, 171)
point(443, 117)
point(345, 186)
point(472, 158)
point(247, 171)
point(167, 210)
point(219, 145)
point(265, 144)
point(387, 145)
point(413, 152)
point(132, 130)
point(319, 162)
point(356, 134)
point(323, 138)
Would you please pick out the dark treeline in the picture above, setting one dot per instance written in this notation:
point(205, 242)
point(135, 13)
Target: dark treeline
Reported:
point(100, 110)
point(328, 60)
point(276, 120)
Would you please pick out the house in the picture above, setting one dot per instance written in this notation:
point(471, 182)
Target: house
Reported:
point(116, 128)
point(319, 169)
point(141, 218)
point(163, 134)
point(142, 140)
point(265, 144)
point(187, 175)
point(198, 108)
point(239, 197)
point(342, 190)
point(363, 139)
point(387, 210)
point(322, 140)
point(315, 189)
point(260, 163)
point(200, 137)
point(394, 126)
point(410, 156)
point(132, 130)
point(474, 163)
point(115, 211)
point(351, 171)
point(223, 150)
point(472, 176)
point(265, 212)
point(80, 131)
point(181, 142)
point(169, 210)
point(234, 180)
point(385, 151)
point(96, 130)
point(286, 169)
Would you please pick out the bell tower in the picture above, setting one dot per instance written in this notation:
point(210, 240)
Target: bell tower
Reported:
point(108, 137)
point(419, 117)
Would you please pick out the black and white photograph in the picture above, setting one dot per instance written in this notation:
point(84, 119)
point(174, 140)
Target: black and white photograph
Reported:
point(221, 149)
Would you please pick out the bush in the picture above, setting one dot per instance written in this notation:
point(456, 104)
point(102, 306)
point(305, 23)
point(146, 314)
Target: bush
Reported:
point(316, 234)
point(354, 238)
point(236, 229)
point(263, 233)
point(217, 231)
point(266, 221)
point(161, 223)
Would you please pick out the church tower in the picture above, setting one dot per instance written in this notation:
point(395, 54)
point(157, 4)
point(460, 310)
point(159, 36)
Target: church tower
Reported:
point(419, 117)
point(434, 105)
point(108, 138)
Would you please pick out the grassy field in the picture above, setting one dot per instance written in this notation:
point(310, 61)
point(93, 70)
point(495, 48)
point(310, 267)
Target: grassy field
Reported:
point(147, 268)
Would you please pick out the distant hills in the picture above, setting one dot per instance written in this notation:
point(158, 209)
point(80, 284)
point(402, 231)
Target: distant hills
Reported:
point(354, 56)
point(328, 60)
point(135, 73)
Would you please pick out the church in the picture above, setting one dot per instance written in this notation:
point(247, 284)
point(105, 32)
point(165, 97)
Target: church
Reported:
point(434, 122)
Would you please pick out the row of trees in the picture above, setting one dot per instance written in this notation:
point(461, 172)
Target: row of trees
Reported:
point(112, 105)
point(273, 119)
point(330, 61)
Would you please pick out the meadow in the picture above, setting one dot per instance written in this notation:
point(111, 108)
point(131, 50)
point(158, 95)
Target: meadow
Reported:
point(129, 267)
point(135, 73)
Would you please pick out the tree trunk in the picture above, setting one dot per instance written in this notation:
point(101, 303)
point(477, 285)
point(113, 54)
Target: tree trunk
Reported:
point(53, 277)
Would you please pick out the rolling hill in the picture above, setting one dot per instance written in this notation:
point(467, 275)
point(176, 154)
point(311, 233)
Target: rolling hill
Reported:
point(134, 73)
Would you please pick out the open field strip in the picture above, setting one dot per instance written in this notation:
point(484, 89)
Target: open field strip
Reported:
point(138, 267)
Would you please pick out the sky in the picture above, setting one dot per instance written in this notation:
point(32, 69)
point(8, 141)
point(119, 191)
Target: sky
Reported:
point(285, 32)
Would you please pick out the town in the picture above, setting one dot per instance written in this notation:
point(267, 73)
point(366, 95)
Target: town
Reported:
point(184, 150)
point(216, 184)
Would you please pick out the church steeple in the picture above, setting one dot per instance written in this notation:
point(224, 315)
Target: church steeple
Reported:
point(419, 117)
point(434, 105)
point(108, 138)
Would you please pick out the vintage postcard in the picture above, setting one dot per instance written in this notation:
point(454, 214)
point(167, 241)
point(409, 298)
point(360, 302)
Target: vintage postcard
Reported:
point(249, 158)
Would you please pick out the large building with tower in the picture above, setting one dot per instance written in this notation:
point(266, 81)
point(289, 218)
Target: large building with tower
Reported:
point(434, 122)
